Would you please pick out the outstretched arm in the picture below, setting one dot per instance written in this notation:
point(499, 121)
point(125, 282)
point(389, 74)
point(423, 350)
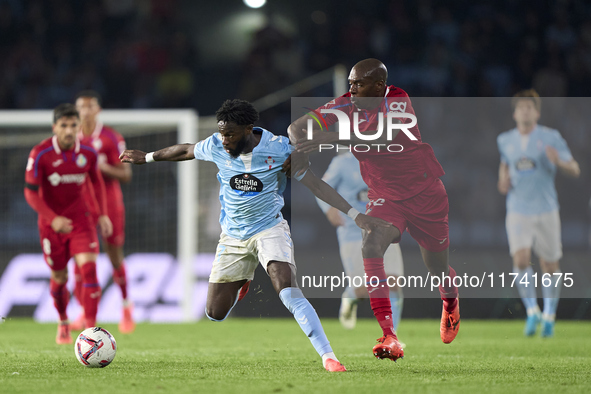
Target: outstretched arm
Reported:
point(327, 194)
point(178, 152)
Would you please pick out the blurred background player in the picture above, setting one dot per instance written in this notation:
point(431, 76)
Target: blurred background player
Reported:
point(404, 189)
point(57, 172)
point(530, 155)
point(109, 144)
point(250, 163)
point(344, 176)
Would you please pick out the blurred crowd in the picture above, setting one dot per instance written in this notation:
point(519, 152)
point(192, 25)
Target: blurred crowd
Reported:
point(444, 48)
point(130, 51)
point(141, 53)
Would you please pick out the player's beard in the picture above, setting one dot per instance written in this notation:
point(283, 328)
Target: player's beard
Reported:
point(239, 148)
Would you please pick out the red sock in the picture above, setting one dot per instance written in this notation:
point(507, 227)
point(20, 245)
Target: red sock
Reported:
point(78, 284)
point(379, 294)
point(120, 277)
point(60, 295)
point(449, 292)
point(91, 292)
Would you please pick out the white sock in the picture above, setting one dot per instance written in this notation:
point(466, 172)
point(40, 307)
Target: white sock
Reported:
point(328, 355)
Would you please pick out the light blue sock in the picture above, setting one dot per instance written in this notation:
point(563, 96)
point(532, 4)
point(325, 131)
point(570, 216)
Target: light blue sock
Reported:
point(527, 293)
point(306, 316)
point(349, 292)
point(397, 301)
point(551, 296)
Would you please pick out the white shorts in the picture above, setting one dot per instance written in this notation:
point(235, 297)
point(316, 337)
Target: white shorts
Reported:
point(353, 261)
point(237, 259)
point(538, 232)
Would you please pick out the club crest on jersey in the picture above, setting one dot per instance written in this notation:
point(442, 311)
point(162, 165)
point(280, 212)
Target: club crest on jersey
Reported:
point(81, 160)
point(270, 161)
point(246, 184)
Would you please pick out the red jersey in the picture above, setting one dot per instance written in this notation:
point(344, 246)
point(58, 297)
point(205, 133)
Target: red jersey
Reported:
point(395, 176)
point(60, 178)
point(109, 144)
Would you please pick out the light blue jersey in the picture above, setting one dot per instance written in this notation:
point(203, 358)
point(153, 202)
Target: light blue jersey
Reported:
point(251, 185)
point(344, 175)
point(532, 175)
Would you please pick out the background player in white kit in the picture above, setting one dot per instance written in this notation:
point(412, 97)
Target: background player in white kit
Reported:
point(250, 160)
point(530, 155)
point(344, 175)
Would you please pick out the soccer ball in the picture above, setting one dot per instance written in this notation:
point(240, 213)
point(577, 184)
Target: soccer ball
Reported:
point(95, 347)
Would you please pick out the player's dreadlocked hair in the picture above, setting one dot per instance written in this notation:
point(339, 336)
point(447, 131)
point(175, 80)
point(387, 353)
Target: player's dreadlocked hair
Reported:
point(90, 93)
point(238, 111)
point(65, 110)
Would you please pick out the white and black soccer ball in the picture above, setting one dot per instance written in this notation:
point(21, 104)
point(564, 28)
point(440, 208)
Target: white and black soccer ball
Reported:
point(95, 347)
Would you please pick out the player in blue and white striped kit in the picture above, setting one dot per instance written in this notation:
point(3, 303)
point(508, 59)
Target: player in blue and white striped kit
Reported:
point(344, 175)
point(249, 160)
point(530, 156)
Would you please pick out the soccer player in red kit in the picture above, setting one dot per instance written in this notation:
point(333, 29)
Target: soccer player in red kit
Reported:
point(57, 172)
point(404, 189)
point(109, 144)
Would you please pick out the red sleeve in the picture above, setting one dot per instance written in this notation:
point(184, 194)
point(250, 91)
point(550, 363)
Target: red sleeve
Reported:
point(116, 146)
point(37, 203)
point(98, 186)
point(33, 174)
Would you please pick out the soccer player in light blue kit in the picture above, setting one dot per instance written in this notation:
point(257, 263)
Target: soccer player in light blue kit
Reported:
point(249, 160)
point(344, 175)
point(530, 156)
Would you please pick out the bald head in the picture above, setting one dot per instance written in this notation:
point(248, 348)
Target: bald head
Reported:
point(372, 69)
point(368, 83)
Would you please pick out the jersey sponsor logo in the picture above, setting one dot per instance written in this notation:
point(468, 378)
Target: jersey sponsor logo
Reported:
point(81, 160)
point(30, 163)
point(246, 184)
point(55, 179)
point(525, 164)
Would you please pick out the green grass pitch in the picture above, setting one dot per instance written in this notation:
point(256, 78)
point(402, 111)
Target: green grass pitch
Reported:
point(273, 355)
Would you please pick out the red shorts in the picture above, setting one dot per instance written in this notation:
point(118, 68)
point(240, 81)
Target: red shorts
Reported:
point(58, 247)
point(424, 216)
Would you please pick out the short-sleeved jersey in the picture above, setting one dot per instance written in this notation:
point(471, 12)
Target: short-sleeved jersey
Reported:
point(394, 176)
point(532, 174)
point(344, 175)
point(61, 177)
point(251, 185)
point(109, 144)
